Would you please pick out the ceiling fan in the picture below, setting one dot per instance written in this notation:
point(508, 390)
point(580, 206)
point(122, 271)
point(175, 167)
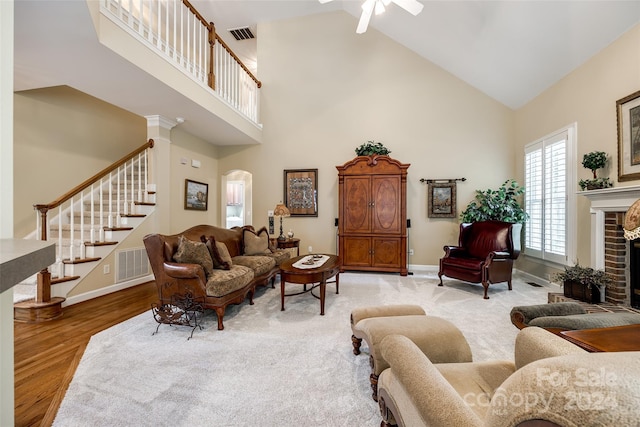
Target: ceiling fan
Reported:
point(414, 7)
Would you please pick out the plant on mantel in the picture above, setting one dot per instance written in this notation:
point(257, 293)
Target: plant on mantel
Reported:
point(371, 148)
point(593, 161)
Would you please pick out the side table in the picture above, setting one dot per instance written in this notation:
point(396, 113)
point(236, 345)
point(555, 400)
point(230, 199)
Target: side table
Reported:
point(288, 243)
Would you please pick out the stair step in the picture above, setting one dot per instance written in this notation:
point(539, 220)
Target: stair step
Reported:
point(100, 243)
point(118, 228)
point(63, 279)
point(79, 260)
point(133, 216)
point(145, 203)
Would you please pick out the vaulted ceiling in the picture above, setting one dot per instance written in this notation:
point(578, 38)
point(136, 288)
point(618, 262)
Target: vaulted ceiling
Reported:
point(511, 50)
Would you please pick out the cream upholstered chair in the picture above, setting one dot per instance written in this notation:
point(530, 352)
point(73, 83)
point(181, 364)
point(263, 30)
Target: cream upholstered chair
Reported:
point(550, 383)
point(437, 338)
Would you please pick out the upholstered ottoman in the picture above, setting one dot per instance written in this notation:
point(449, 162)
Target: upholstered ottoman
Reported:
point(440, 340)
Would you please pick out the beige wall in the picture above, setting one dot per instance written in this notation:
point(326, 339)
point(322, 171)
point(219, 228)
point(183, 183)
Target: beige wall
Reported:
point(326, 90)
point(184, 145)
point(62, 137)
point(587, 96)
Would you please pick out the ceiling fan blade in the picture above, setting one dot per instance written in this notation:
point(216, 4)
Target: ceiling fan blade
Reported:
point(414, 7)
point(367, 11)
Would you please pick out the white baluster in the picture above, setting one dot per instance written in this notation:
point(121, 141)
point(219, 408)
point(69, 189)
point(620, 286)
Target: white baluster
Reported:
point(59, 262)
point(133, 190)
point(118, 201)
point(110, 217)
point(71, 231)
point(125, 204)
point(101, 214)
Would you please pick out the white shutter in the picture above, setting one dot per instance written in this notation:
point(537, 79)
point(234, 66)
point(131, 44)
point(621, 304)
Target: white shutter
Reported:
point(546, 179)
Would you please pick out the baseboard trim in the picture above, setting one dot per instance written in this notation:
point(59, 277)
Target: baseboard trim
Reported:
point(107, 290)
point(424, 268)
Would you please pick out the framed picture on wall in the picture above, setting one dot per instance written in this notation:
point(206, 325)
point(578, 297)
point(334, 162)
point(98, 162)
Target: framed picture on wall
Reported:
point(628, 112)
point(301, 191)
point(196, 195)
point(441, 200)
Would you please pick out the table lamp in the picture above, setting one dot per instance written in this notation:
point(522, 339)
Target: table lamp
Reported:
point(281, 211)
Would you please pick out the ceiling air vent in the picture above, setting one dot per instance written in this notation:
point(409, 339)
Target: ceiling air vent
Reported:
point(243, 33)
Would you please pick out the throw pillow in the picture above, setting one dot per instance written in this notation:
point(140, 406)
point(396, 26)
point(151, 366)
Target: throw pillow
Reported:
point(256, 243)
point(213, 247)
point(190, 252)
point(225, 256)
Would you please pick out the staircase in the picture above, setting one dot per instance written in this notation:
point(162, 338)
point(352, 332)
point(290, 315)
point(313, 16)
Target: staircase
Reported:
point(89, 223)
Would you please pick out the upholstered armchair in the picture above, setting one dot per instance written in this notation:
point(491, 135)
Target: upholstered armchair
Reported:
point(550, 382)
point(485, 253)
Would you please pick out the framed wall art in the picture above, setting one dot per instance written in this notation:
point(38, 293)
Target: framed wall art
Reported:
point(628, 112)
point(196, 195)
point(441, 200)
point(301, 191)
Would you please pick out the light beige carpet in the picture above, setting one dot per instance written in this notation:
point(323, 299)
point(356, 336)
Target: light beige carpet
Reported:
point(271, 367)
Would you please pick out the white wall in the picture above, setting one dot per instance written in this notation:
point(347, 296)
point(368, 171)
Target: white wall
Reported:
point(327, 90)
point(6, 212)
point(587, 96)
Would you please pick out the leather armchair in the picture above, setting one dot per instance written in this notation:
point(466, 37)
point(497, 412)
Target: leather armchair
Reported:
point(485, 253)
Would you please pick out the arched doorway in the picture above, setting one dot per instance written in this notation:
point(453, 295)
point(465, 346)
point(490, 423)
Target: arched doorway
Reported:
point(236, 196)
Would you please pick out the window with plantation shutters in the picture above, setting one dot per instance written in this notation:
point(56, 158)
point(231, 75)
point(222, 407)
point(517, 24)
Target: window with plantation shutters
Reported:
point(548, 177)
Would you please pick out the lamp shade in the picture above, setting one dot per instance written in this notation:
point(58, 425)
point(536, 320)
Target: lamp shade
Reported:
point(281, 210)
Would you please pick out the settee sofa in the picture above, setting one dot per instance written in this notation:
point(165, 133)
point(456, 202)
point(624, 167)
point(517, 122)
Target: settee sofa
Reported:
point(568, 315)
point(212, 265)
point(551, 382)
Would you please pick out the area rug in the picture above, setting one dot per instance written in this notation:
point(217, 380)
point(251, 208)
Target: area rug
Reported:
point(271, 367)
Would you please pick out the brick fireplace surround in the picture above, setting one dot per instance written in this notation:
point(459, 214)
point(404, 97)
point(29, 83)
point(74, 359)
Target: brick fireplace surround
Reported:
point(609, 248)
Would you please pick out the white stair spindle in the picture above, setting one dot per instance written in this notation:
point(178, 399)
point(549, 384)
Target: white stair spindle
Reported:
point(101, 214)
point(139, 177)
point(118, 201)
point(71, 231)
point(125, 204)
point(110, 217)
point(92, 233)
point(59, 262)
point(133, 190)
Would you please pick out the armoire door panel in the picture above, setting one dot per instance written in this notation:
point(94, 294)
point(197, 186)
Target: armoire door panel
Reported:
point(357, 251)
point(386, 208)
point(386, 252)
point(357, 205)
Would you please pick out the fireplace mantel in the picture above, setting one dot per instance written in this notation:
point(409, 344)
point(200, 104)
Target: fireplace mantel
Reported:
point(616, 199)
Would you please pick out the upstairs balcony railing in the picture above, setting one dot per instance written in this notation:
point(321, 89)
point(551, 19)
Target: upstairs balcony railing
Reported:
point(177, 30)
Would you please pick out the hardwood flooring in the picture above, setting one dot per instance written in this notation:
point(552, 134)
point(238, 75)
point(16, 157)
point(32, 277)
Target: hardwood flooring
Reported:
point(46, 354)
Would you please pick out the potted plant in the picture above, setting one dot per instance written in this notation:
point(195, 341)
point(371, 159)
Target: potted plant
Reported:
point(371, 148)
point(500, 205)
point(584, 283)
point(593, 161)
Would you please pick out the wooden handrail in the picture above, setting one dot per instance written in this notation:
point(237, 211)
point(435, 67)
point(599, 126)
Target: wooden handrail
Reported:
point(60, 200)
point(212, 32)
point(258, 82)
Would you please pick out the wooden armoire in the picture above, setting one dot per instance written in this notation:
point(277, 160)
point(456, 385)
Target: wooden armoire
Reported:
point(372, 214)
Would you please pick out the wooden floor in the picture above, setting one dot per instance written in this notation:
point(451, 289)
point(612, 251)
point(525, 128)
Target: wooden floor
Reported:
point(46, 354)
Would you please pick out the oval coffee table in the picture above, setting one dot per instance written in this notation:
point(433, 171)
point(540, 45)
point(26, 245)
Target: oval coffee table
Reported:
point(304, 276)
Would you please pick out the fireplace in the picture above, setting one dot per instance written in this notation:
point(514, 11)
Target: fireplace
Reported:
point(609, 249)
point(634, 272)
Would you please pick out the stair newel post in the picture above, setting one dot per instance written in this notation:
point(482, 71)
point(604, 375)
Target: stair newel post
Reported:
point(43, 287)
point(109, 218)
point(212, 41)
point(101, 213)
